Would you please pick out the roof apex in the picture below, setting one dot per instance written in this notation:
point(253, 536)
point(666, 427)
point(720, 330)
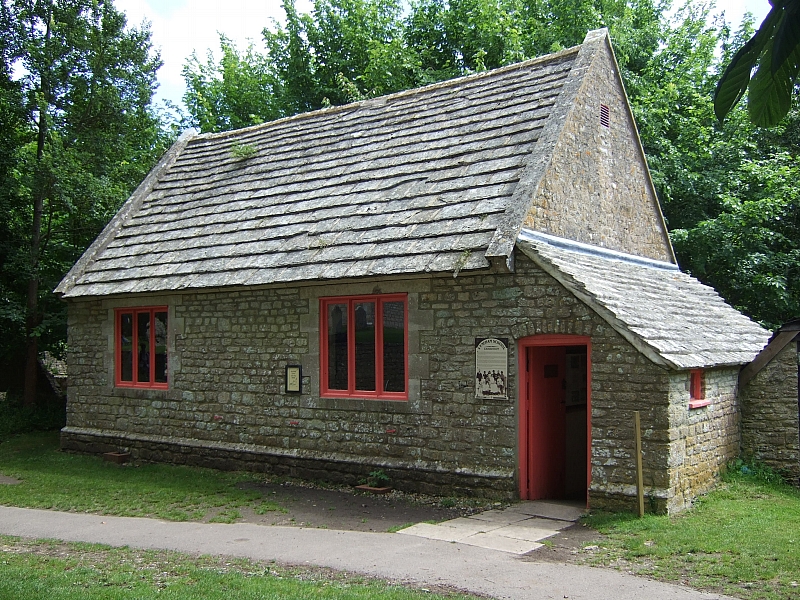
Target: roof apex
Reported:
point(502, 244)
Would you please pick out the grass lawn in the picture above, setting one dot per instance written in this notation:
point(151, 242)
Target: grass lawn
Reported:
point(46, 570)
point(742, 539)
point(61, 481)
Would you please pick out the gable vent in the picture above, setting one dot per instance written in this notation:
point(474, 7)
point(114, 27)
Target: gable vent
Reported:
point(604, 116)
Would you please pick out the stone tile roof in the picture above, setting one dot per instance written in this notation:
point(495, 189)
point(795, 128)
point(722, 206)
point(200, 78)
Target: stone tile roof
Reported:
point(668, 315)
point(430, 180)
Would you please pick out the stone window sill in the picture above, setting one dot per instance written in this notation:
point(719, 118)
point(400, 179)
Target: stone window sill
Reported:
point(698, 403)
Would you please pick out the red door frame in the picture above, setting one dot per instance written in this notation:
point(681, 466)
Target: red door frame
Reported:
point(524, 402)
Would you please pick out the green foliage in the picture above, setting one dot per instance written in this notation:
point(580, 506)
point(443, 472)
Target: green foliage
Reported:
point(243, 151)
point(750, 251)
point(237, 92)
point(16, 418)
point(78, 136)
point(377, 478)
point(349, 50)
point(775, 49)
point(749, 470)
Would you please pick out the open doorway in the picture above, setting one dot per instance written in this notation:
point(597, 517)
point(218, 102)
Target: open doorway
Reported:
point(555, 417)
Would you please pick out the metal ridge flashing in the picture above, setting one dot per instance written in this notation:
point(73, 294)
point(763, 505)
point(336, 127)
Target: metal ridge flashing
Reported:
point(528, 235)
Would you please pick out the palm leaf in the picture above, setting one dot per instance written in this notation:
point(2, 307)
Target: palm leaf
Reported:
point(787, 37)
point(734, 81)
point(771, 93)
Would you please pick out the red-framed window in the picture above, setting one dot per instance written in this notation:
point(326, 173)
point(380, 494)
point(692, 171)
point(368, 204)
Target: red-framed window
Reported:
point(364, 346)
point(140, 336)
point(697, 391)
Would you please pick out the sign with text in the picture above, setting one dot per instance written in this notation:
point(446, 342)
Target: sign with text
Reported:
point(491, 367)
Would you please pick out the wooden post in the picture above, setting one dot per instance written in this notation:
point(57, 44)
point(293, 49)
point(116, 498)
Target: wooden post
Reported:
point(637, 427)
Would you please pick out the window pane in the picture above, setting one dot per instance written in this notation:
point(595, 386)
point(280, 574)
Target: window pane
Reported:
point(394, 347)
point(161, 347)
point(364, 315)
point(143, 350)
point(126, 347)
point(337, 346)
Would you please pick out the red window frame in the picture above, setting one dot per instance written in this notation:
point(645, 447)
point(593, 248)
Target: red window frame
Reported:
point(697, 392)
point(351, 391)
point(151, 383)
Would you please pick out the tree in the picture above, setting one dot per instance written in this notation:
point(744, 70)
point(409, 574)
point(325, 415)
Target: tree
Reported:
point(241, 90)
point(85, 137)
point(347, 50)
point(750, 251)
point(775, 48)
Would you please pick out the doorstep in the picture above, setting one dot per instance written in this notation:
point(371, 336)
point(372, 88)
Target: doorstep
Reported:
point(518, 529)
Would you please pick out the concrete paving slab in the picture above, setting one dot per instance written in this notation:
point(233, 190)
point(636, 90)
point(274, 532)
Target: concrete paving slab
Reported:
point(540, 523)
point(436, 532)
point(550, 510)
point(499, 516)
point(495, 541)
point(523, 530)
point(529, 534)
point(486, 534)
point(473, 526)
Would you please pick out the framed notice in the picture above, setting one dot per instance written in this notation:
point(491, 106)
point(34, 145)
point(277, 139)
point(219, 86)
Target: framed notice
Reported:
point(294, 379)
point(491, 367)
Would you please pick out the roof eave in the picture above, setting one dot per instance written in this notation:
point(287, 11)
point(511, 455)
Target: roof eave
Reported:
point(778, 343)
point(604, 313)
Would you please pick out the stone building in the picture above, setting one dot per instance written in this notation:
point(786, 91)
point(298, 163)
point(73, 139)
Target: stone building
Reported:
point(771, 404)
point(469, 286)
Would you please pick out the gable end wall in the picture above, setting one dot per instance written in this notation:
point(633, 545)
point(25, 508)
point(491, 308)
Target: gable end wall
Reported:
point(770, 427)
point(597, 188)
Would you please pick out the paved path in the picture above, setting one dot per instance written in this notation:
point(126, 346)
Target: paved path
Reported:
point(518, 529)
point(399, 557)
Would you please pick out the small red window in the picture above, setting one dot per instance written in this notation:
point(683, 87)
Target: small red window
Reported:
point(364, 347)
point(140, 336)
point(697, 392)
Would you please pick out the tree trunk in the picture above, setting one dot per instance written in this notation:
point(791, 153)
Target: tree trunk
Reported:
point(39, 192)
point(32, 316)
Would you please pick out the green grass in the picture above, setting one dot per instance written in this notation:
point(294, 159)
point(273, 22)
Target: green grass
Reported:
point(742, 539)
point(33, 570)
point(68, 482)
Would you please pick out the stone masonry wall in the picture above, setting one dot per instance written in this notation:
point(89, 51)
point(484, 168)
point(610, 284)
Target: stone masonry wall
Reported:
point(770, 427)
point(226, 406)
point(597, 188)
point(702, 440)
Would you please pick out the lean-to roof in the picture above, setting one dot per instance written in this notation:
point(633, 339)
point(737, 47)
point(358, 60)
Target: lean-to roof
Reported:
point(669, 316)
